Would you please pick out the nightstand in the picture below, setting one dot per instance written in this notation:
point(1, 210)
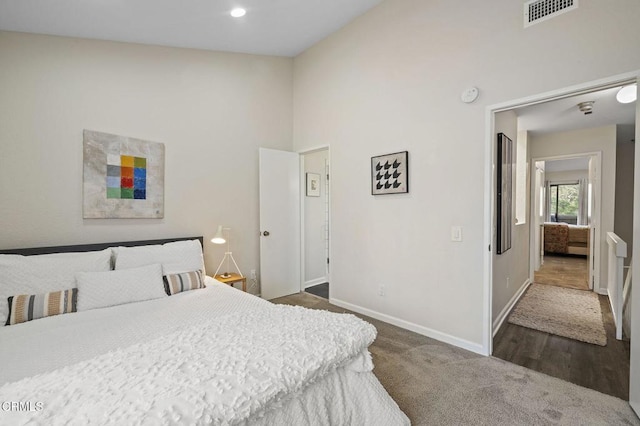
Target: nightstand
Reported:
point(233, 278)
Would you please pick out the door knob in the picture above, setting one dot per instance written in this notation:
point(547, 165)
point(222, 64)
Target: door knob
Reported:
point(265, 233)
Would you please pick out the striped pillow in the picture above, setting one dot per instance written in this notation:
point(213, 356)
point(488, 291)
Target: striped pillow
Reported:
point(176, 283)
point(27, 307)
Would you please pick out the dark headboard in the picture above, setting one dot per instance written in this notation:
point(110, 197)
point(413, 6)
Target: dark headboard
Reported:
point(93, 247)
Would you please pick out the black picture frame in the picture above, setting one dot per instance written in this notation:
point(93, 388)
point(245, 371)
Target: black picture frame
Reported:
point(390, 173)
point(504, 193)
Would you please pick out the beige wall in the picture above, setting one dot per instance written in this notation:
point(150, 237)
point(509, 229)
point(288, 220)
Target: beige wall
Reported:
point(211, 110)
point(391, 80)
point(315, 257)
point(600, 139)
point(568, 175)
point(511, 268)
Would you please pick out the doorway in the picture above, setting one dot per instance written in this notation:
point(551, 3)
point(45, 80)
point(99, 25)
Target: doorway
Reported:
point(545, 343)
point(315, 222)
point(565, 195)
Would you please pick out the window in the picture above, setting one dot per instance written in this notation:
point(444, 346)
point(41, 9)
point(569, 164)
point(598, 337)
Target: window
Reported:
point(563, 202)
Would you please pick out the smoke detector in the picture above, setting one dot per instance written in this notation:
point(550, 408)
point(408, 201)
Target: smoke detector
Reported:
point(586, 107)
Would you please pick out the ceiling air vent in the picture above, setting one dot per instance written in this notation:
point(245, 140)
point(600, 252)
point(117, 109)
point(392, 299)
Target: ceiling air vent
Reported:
point(540, 10)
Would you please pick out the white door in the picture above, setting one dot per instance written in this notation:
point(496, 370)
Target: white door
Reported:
point(591, 218)
point(538, 216)
point(279, 223)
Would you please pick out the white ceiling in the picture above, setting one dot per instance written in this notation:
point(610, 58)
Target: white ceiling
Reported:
point(563, 114)
point(270, 27)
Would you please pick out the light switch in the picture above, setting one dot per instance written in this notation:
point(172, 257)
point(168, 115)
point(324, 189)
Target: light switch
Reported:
point(456, 233)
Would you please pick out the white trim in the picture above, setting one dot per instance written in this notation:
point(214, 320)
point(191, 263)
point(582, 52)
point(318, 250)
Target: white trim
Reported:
point(497, 323)
point(315, 281)
point(635, 407)
point(487, 247)
point(602, 292)
point(314, 149)
point(489, 203)
point(465, 344)
point(303, 187)
point(534, 214)
point(569, 91)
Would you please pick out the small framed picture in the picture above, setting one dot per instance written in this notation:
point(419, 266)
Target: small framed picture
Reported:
point(390, 173)
point(313, 185)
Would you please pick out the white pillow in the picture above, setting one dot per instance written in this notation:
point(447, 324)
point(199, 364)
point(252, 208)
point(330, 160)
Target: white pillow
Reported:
point(45, 273)
point(102, 289)
point(176, 257)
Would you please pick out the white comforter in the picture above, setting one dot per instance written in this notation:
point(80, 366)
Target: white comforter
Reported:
point(223, 369)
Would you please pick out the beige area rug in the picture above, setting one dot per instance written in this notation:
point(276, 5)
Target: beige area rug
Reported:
point(562, 311)
point(564, 271)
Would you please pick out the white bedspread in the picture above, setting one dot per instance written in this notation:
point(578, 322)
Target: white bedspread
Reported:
point(239, 364)
point(43, 345)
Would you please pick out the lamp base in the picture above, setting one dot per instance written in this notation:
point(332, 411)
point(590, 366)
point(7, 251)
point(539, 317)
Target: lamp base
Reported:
point(227, 256)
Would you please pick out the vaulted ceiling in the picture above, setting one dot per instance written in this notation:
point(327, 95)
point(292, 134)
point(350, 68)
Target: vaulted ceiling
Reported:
point(270, 27)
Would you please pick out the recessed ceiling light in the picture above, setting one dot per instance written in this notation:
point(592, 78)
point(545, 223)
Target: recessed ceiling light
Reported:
point(238, 12)
point(627, 94)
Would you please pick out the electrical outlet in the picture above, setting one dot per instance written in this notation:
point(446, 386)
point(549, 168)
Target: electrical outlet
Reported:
point(381, 290)
point(253, 274)
point(507, 282)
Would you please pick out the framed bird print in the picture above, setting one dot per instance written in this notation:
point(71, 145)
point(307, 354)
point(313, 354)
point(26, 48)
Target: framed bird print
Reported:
point(390, 173)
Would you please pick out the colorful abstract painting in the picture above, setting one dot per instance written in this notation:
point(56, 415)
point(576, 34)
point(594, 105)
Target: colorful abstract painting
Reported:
point(123, 177)
point(126, 177)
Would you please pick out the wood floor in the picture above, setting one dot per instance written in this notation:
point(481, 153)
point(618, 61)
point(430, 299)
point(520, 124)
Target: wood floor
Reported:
point(564, 271)
point(321, 290)
point(603, 368)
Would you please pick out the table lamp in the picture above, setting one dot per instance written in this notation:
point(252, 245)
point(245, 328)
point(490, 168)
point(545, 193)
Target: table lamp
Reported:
point(219, 238)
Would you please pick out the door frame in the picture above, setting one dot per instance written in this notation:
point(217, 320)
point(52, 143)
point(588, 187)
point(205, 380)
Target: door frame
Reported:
point(489, 183)
point(595, 249)
point(303, 187)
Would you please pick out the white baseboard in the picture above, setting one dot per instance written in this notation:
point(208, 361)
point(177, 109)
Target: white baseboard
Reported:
point(316, 281)
point(443, 337)
point(636, 407)
point(603, 292)
point(497, 323)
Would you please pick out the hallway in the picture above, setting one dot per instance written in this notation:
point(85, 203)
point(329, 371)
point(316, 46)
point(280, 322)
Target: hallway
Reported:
point(602, 368)
point(564, 271)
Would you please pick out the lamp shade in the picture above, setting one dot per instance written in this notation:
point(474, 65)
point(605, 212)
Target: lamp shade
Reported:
point(218, 238)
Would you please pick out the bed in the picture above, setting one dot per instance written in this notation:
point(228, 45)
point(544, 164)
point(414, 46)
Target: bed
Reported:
point(563, 238)
point(207, 354)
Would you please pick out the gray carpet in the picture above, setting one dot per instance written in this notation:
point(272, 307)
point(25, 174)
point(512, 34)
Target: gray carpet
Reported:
point(565, 312)
point(438, 384)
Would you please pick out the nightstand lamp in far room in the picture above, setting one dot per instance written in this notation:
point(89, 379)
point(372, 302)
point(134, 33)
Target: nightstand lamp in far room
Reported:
point(228, 256)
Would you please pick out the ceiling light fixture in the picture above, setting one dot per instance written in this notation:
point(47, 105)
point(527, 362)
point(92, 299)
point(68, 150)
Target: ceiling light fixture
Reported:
point(238, 12)
point(627, 94)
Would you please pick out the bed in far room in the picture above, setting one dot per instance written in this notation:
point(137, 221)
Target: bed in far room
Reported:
point(563, 238)
point(140, 335)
